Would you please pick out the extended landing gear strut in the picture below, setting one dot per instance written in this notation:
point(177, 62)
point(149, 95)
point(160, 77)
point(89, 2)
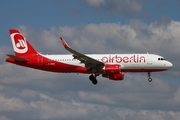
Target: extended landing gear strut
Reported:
point(93, 79)
point(149, 75)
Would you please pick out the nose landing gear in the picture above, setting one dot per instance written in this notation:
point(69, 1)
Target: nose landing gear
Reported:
point(149, 75)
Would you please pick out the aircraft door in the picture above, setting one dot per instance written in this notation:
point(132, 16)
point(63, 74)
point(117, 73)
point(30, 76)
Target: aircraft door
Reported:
point(149, 59)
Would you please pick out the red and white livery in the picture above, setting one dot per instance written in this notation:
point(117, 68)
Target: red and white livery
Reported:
point(112, 66)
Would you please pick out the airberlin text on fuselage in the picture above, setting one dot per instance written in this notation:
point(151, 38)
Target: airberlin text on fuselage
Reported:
point(124, 59)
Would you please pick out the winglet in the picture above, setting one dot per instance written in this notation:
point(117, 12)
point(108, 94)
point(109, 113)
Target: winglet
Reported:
point(64, 43)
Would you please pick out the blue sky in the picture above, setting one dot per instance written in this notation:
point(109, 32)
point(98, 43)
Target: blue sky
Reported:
point(91, 26)
point(44, 14)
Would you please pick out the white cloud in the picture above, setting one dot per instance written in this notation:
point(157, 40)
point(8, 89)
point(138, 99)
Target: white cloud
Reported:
point(125, 7)
point(3, 118)
point(147, 115)
point(111, 37)
point(28, 94)
point(95, 3)
point(94, 97)
point(3, 51)
point(50, 108)
point(12, 104)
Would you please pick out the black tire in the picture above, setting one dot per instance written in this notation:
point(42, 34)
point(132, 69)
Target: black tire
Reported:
point(150, 79)
point(94, 82)
point(91, 77)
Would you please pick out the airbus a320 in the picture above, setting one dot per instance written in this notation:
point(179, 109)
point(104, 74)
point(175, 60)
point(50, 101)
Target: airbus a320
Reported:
point(111, 66)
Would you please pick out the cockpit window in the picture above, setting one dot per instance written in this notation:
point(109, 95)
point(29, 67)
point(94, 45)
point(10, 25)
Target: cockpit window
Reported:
point(161, 59)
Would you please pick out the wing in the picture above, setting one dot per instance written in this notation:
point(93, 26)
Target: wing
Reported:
point(90, 63)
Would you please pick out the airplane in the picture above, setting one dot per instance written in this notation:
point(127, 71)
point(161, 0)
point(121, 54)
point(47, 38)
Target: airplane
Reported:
point(111, 66)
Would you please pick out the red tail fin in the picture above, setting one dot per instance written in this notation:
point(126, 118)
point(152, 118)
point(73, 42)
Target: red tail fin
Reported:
point(20, 44)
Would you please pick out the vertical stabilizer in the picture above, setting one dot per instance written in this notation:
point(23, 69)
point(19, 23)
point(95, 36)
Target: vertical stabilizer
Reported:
point(21, 46)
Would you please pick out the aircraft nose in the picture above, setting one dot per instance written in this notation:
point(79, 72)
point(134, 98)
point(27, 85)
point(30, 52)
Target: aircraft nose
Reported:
point(169, 65)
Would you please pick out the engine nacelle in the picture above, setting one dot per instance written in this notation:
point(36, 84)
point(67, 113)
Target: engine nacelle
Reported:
point(112, 69)
point(115, 77)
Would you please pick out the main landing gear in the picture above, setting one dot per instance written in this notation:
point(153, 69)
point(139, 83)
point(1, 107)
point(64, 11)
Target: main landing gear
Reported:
point(149, 75)
point(93, 79)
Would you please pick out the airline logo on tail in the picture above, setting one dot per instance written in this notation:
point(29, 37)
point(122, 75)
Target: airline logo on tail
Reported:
point(19, 43)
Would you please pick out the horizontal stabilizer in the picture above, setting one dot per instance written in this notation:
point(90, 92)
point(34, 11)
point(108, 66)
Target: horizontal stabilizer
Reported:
point(16, 58)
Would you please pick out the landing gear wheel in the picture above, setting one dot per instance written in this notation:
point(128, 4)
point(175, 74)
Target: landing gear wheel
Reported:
point(150, 79)
point(93, 79)
point(94, 82)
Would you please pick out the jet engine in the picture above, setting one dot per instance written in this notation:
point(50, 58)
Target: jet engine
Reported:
point(115, 77)
point(112, 69)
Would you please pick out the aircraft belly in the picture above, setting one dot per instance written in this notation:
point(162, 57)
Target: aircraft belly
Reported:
point(142, 68)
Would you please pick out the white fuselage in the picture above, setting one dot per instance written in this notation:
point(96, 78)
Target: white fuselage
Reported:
point(127, 61)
